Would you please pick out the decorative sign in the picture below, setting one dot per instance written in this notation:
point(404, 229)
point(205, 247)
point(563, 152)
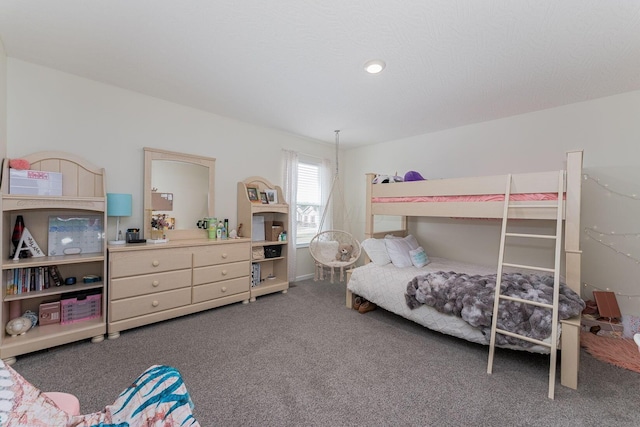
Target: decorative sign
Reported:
point(27, 243)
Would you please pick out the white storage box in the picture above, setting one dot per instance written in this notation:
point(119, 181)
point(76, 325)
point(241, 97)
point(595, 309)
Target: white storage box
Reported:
point(39, 183)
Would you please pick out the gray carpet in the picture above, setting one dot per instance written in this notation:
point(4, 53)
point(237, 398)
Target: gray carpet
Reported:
point(304, 359)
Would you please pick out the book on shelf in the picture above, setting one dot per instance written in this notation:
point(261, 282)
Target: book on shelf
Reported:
point(32, 279)
point(47, 281)
point(55, 275)
point(255, 274)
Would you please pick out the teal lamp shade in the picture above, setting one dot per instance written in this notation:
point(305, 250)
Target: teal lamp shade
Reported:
point(118, 205)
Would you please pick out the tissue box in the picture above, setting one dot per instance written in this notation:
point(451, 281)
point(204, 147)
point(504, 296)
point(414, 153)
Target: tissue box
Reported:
point(38, 183)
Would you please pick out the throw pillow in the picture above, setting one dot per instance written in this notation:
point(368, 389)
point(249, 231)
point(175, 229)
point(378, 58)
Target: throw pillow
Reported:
point(419, 257)
point(399, 248)
point(376, 251)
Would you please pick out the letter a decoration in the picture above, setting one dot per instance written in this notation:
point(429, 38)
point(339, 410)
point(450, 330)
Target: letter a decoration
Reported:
point(27, 243)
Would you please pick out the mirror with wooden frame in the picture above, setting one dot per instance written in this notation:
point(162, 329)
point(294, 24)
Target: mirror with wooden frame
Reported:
point(178, 192)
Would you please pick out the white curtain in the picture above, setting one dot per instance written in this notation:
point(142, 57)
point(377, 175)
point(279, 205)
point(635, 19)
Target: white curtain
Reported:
point(329, 207)
point(290, 187)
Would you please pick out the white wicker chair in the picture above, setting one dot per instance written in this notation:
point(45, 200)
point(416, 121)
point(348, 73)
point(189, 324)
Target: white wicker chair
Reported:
point(324, 248)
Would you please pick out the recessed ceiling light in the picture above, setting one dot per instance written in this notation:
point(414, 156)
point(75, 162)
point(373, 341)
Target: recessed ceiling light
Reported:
point(374, 66)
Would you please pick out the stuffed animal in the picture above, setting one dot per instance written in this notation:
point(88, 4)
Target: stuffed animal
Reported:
point(344, 252)
point(18, 326)
point(22, 164)
point(385, 179)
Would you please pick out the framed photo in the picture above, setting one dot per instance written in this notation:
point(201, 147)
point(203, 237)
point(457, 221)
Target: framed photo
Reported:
point(252, 192)
point(171, 222)
point(263, 198)
point(272, 195)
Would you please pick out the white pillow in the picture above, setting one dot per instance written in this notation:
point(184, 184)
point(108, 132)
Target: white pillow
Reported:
point(326, 250)
point(376, 251)
point(399, 248)
point(419, 257)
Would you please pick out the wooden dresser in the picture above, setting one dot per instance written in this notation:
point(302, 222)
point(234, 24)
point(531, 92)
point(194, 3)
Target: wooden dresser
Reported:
point(153, 282)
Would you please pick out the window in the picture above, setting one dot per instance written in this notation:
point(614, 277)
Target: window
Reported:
point(309, 206)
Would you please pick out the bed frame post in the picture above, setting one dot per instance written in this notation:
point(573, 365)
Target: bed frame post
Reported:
point(570, 337)
point(572, 219)
point(368, 230)
point(368, 226)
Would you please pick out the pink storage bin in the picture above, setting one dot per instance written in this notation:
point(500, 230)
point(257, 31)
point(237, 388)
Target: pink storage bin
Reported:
point(75, 310)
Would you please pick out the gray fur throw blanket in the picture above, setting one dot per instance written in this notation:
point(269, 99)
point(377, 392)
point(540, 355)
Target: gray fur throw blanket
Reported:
point(471, 298)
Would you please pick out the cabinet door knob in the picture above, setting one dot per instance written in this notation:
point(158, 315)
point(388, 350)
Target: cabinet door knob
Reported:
point(224, 272)
point(224, 289)
point(155, 263)
point(155, 283)
point(224, 255)
point(155, 303)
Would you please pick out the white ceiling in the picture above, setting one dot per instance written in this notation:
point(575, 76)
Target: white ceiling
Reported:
point(297, 65)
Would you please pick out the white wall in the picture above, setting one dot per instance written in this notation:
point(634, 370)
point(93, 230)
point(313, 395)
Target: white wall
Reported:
point(608, 129)
point(109, 126)
point(3, 101)
point(47, 109)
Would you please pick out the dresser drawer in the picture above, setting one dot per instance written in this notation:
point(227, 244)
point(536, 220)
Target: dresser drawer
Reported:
point(220, 289)
point(221, 254)
point(147, 304)
point(127, 287)
point(145, 262)
point(216, 273)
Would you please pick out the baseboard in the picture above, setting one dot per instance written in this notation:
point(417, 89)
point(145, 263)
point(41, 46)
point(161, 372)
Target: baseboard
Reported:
point(305, 277)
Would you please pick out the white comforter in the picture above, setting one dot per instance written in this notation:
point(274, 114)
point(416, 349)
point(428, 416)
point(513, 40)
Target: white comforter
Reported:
point(386, 285)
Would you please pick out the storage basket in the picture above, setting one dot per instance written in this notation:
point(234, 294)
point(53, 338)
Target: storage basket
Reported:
point(80, 309)
point(272, 251)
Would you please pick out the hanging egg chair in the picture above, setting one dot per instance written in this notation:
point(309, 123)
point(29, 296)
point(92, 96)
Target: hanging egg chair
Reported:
point(333, 250)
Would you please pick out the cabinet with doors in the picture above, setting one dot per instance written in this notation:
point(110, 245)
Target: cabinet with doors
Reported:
point(264, 216)
point(75, 309)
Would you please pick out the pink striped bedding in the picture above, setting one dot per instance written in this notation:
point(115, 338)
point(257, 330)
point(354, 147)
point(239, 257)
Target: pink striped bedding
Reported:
point(476, 198)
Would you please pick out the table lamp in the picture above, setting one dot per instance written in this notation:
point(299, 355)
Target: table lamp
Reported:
point(118, 205)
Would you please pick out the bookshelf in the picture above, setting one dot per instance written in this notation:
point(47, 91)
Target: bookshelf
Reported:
point(83, 195)
point(274, 217)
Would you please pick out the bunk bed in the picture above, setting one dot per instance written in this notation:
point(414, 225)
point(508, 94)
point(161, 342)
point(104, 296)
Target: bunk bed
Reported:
point(479, 197)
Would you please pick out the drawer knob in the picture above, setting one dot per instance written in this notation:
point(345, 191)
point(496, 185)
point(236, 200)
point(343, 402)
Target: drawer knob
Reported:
point(155, 283)
point(224, 272)
point(155, 303)
point(224, 289)
point(155, 263)
point(224, 255)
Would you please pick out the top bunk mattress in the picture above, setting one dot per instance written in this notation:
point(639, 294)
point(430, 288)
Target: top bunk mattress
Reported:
point(473, 197)
point(468, 198)
point(386, 286)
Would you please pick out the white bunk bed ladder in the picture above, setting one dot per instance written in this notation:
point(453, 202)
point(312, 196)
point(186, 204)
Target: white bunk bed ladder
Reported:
point(556, 282)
